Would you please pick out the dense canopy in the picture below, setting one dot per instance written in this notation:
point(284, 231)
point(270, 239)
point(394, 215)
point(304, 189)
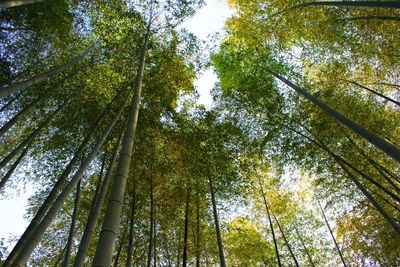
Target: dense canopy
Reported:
point(295, 163)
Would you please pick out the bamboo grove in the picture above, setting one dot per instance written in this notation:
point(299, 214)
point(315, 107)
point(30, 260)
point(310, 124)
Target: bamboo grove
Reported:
point(296, 163)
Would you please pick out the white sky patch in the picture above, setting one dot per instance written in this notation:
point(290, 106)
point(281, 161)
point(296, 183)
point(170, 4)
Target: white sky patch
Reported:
point(13, 208)
point(206, 22)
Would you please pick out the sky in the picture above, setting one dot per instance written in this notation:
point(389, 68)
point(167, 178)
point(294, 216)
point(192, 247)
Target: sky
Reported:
point(207, 21)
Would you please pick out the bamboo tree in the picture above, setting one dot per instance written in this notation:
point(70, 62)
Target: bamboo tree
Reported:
point(30, 138)
point(285, 240)
point(105, 245)
point(372, 4)
point(56, 188)
point(60, 257)
point(26, 109)
point(373, 91)
point(216, 221)
point(14, 166)
point(186, 229)
point(197, 228)
point(361, 187)
point(374, 139)
point(15, 3)
point(351, 166)
point(118, 255)
point(72, 228)
point(151, 222)
point(304, 247)
point(155, 235)
point(57, 205)
point(93, 216)
point(378, 4)
point(8, 90)
point(10, 102)
point(373, 163)
point(270, 224)
point(131, 224)
point(330, 231)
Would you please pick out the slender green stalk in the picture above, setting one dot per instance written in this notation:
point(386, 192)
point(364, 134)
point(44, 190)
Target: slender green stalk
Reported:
point(10, 102)
point(8, 90)
point(373, 91)
point(149, 250)
point(56, 188)
point(108, 234)
point(270, 224)
point(15, 3)
point(27, 109)
point(58, 203)
point(186, 231)
point(330, 231)
point(305, 247)
point(14, 166)
point(72, 228)
point(286, 241)
point(361, 187)
point(216, 222)
point(30, 138)
point(374, 139)
point(94, 216)
point(131, 224)
point(370, 4)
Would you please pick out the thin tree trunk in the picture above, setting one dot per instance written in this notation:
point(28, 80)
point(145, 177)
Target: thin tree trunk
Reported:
point(374, 139)
point(55, 190)
point(178, 254)
point(351, 166)
point(31, 137)
point(397, 86)
point(131, 224)
point(341, 163)
point(151, 223)
point(330, 231)
point(60, 257)
point(155, 235)
point(117, 257)
point(22, 241)
point(197, 229)
point(389, 18)
point(8, 90)
point(373, 163)
point(185, 234)
point(305, 247)
point(216, 221)
point(94, 216)
point(29, 107)
point(57, 205)
point(105, 245)
point(385, 200)
point(372, 4)
point(9, 103)
point(377, 4)
point(373, 91)
point(14, 166)
point(14, 3)
point(286, 241)
point(270, 224)
point(72, 228)
point(12, 29)
point(28, 140)
point(25, 110)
